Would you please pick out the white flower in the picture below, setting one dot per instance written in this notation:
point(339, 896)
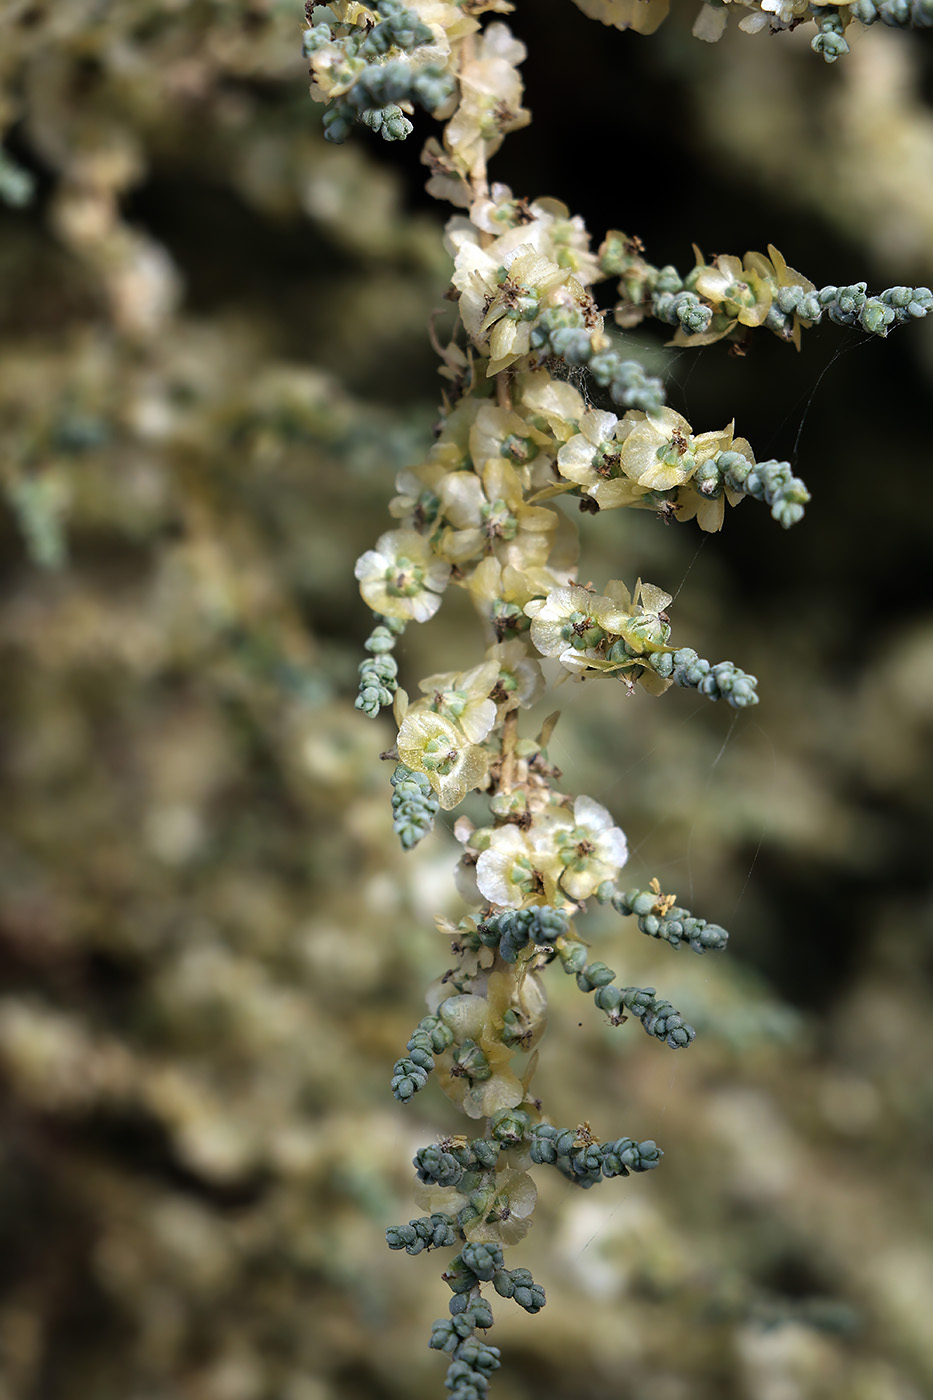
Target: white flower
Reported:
point(591, 850)
point(502, 433)
point(516, 866)
point(593, 459)
point(786, 11)
point(574, 625)
point(662, 451)
point(401, 577)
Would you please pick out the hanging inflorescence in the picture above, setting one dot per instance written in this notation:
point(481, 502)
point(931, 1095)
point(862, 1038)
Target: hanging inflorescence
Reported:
point(481, 513)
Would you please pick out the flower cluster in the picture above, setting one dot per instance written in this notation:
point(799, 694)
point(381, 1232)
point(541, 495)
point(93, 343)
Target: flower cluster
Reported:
point(374, 64)
point(729, 297)
point(486, 512)
point(831, 20)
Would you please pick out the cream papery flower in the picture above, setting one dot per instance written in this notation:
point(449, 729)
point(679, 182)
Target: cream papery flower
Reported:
point(501, 1211)
point(464, 698)
point(561, 237)
point(775, 268)
point(461, 236)
point(644, 16)
point(516, 303)
point(490, 98)
point(786, 11)
point(500, 432)
point(445, 1200)
point(518, 866)
point(661, 451)
point(593, 459)
point(710, 24)
point(499, 211)
point(520, 681)
point(551, 403)
point(568, 242)
point(452, 449)
point(743, 294)
point(475, 1072)
point(646, 627)
point(448, 22)
point(447, 181)
point(502, 290)
point(501, 592)
point(418, 503)
point(752, 23)
point(428, 743)
point(488, 514)
point(402, 577)
point(575, 625)
point(591, 849)
point(477, 270)
point(710, 509)
point(332, 72)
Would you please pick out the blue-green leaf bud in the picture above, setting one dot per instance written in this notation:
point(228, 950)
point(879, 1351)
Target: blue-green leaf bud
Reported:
point(510, 1126)
point(482, 1259)
point(595, 974)
point(572, 957)
point(608, 998)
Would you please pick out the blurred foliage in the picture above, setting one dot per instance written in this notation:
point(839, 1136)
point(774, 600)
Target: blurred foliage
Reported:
point(213, 361)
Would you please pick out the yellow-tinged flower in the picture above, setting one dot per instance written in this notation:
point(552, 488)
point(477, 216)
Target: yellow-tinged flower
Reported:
point(445, 1200)
point(490, 99)
point(501, 592)
point(575, 625)
point(464, 697)
point(447, 181)
point(643, 16)
point(418, 503)
point(402, 577)
point(332, 72)
point(710, 24)
point(502, 433)
point(550, 403)
point(517, 303)
point(488, 514)
point(448, 21)
point(519, 1002)
point(504, 287)
point(548, 226)
point(782, 13)
point(646, 628)
point(776, 268)
point(428, 743)
point(710, 510)
point(662, 451)
point(593, 459)
point(505, 1209)
point(743, 293)
point(479, 271)
point(452, 449)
